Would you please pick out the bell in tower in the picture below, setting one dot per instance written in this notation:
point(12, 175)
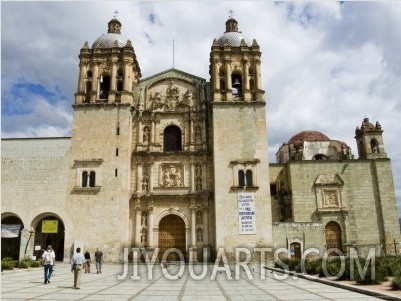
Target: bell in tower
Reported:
point(235, 66)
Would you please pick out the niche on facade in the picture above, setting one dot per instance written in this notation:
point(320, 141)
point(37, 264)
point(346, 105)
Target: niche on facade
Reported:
point(328, 187)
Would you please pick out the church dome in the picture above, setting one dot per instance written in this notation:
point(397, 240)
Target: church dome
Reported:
point(299, 138)
point(113, 35)
point(107, 40)
point(232, 35)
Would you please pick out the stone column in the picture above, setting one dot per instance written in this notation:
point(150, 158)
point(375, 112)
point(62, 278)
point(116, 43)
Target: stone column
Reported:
point(81, 78)
point(258, 76)
point(216, 74)
point(150, 225)
point(95, 83)
point(192, 177)
point(193, 256)
point(138, 222)
point(139, 177)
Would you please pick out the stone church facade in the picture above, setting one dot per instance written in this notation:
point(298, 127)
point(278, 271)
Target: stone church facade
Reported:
point(175, 161)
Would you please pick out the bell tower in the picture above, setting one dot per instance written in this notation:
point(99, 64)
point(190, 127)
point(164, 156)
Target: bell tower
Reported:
point(102, 134)
point(369, 140)
point(235, 67)
point(240, 149)
point(108, 70)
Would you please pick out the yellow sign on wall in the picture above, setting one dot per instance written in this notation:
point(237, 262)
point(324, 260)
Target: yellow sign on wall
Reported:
point(49, 226)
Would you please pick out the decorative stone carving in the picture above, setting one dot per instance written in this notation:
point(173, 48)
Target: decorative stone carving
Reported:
point(172, 175)
point(170, 99)
point(330, 198)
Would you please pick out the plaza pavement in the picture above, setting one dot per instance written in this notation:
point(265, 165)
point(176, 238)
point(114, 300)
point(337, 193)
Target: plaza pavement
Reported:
point(27, 284)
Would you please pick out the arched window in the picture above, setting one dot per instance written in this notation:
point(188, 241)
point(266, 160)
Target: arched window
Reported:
point(172, 139)
point(248, 177)
point(236, 81)
point(92, 179)
point(85, 179)
point(374, 145)
point(241, 178)
point(104, 87)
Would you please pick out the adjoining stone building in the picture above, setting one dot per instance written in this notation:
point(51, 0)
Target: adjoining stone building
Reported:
point(175, 161)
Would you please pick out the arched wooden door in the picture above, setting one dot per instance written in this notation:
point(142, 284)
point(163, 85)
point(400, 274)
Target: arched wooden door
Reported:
point(333, 237)
point(172, 235)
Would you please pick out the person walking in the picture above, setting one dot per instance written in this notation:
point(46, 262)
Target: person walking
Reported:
point(98, 260)
point(48, 259)
point(77, 263)
point(87, 256)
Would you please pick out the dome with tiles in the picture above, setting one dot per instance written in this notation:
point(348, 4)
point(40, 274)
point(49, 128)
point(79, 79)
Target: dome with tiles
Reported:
point(299, 138)
point(112, 38)
point(232, 36)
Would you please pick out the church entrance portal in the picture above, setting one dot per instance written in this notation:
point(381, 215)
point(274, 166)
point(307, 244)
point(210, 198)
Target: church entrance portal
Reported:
point(50, 231)
point(172, 235)
point(333, 237)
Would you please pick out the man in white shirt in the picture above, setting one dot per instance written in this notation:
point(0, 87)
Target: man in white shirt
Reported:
point(48, 259)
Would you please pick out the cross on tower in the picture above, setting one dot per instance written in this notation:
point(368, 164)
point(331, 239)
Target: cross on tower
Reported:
point(231, 13)
point(115, 14)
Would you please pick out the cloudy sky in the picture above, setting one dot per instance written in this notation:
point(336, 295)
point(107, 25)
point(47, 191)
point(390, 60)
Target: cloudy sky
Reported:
point(325, 65)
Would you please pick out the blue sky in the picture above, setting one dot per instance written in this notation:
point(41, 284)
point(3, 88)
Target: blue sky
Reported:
point(325, 65)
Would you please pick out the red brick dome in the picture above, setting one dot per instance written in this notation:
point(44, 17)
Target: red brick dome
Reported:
point(299, 138)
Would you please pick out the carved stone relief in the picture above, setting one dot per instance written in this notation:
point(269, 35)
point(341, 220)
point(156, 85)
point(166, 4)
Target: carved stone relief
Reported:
point(172, 175)
point(170, 98)
point(330, 198)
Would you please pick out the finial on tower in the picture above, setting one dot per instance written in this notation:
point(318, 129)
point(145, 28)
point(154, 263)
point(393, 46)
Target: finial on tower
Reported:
point(115, 14)
point(231, 12)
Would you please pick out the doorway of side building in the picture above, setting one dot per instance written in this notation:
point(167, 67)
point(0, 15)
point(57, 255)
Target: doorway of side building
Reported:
point(295, 250)
point(50, 231)
point(11, 227)
point(333, 237)
point(172, 235)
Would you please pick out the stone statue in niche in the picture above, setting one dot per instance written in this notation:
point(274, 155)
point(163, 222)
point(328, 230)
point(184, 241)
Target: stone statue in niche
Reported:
point(172, 177)
point(146, 134)
point(198, 169)
point(199, 217)
point(198, 134)
point(199, 235)
point(143, 219)
point(145, 184)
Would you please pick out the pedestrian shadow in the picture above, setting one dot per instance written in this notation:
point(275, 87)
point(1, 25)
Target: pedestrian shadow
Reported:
point(59, 286)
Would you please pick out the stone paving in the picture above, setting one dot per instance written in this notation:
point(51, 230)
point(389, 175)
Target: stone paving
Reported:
point(174, 283)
